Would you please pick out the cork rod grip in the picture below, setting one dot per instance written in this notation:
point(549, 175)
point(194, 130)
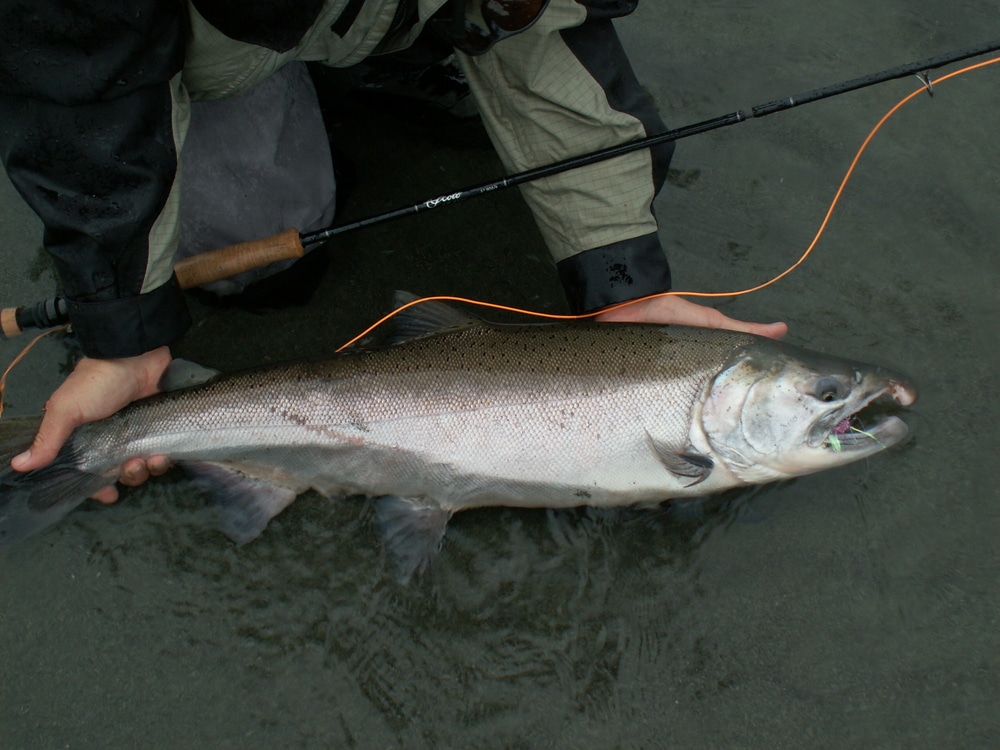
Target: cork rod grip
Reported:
point(229, 261)
point(9, 326)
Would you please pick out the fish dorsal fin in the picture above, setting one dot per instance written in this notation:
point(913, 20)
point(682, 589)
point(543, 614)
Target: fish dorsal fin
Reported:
point(425, 319)
point(412, 530)
point(246, 503)
point(183, 373)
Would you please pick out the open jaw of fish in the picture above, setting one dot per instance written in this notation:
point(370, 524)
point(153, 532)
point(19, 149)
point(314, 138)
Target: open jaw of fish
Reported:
point(453, 414)
point(864, 429)
point(817, 413)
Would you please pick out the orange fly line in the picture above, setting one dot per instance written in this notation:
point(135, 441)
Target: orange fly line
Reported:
point(929, 84)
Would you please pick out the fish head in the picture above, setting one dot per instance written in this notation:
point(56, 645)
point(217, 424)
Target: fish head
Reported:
point(777, 411)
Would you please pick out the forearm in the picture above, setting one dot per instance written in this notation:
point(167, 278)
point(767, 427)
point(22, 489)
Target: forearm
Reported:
point(93, 150)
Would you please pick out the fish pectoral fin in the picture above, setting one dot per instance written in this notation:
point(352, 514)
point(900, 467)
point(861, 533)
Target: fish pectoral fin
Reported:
point(412, 530)
point(246, 501)
point(683, 462)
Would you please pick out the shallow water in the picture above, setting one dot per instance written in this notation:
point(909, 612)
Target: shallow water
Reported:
point(854, 608)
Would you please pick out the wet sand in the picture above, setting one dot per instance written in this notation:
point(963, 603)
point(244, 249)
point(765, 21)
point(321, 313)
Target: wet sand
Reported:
point(853, 608)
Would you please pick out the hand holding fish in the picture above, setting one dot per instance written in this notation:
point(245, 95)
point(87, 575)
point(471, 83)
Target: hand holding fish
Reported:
point(97, 388)
point(680, 311)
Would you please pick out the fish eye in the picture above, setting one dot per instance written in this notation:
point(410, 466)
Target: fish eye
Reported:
point(828, 389)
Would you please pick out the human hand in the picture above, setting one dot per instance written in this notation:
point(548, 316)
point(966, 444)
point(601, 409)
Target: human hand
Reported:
point(680, 311)
point(96, 389)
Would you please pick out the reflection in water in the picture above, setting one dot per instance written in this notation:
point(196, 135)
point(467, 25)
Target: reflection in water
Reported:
point(854, 608)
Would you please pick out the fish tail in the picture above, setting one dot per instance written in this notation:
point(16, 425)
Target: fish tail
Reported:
point(30, 501)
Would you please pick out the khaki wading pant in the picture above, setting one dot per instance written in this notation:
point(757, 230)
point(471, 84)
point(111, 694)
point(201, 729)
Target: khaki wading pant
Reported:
point(538, 102)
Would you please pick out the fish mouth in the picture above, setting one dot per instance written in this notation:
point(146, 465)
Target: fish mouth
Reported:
point(871, 426)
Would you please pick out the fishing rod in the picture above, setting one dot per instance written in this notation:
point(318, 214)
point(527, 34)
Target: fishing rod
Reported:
point(290, 244)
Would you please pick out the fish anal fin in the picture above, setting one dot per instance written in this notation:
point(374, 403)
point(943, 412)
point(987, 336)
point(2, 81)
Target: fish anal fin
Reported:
point(246, 498)
point(683, 462)
point(412, 530)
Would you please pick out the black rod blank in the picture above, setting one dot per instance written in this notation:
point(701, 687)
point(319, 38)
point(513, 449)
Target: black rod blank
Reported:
point(575, 162)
